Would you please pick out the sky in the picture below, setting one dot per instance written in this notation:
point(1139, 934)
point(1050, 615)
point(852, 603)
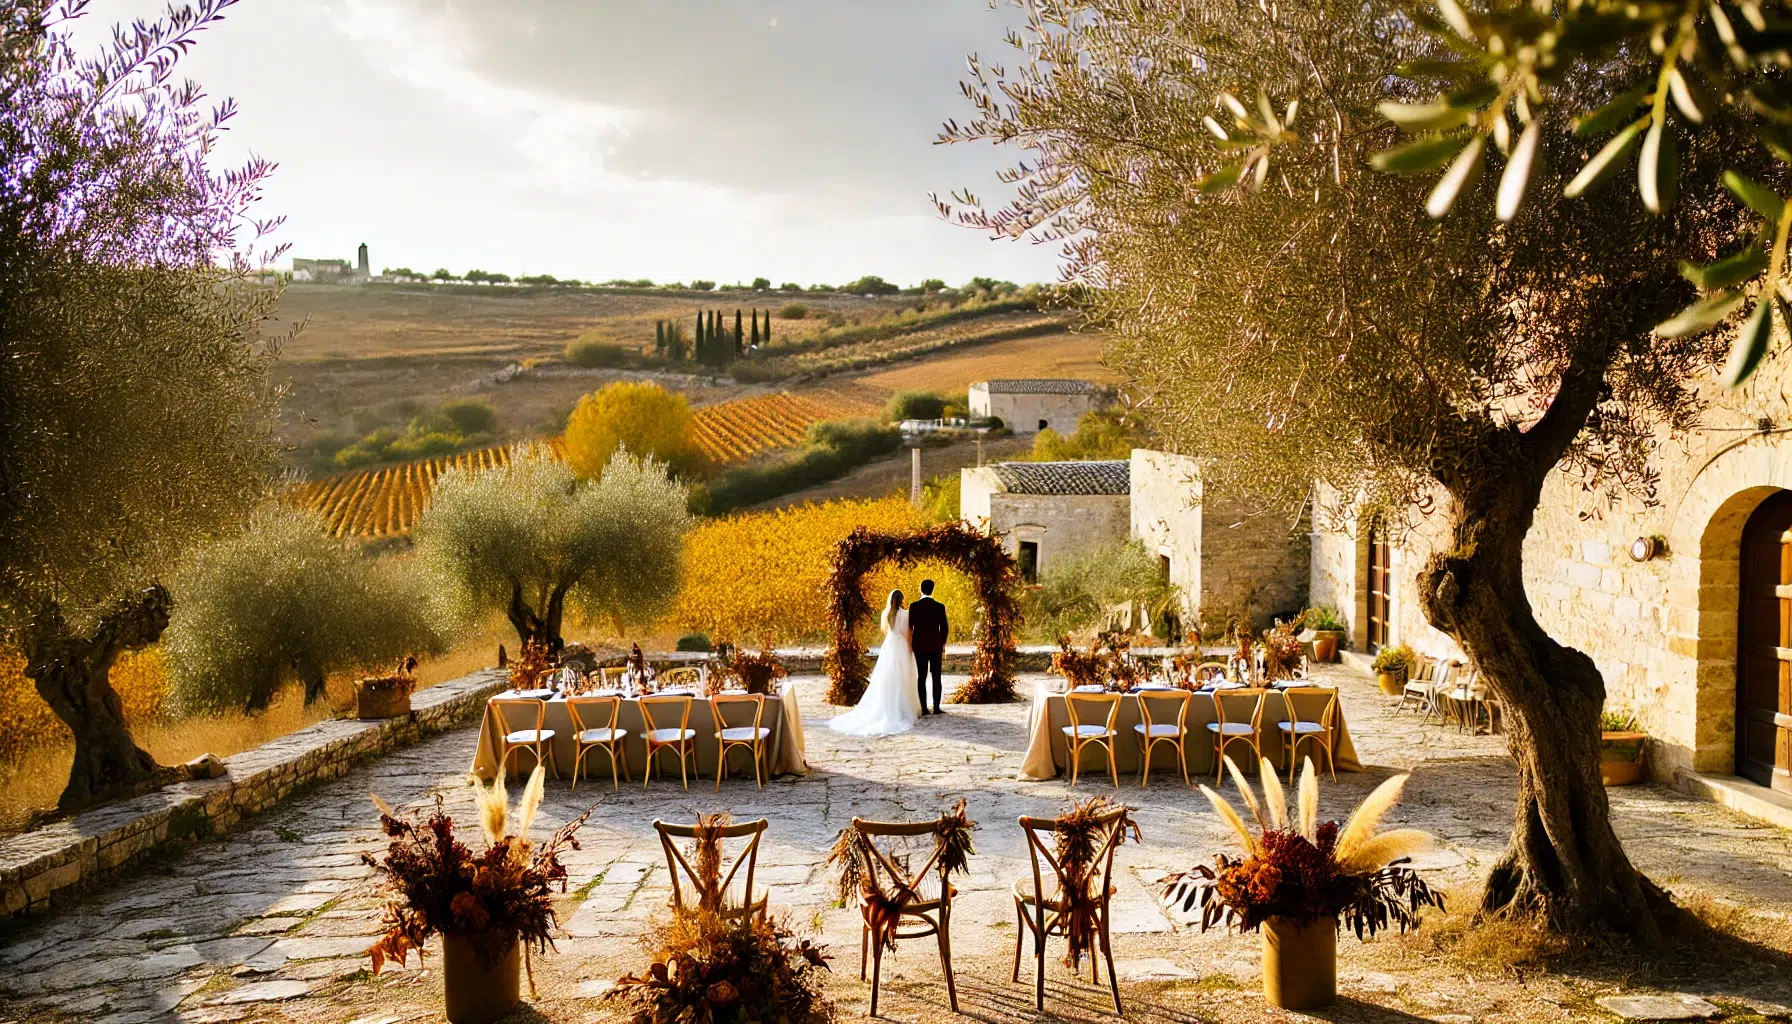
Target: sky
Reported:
point(597, 139)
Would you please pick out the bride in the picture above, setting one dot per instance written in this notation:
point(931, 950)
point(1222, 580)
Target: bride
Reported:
point(890, 704)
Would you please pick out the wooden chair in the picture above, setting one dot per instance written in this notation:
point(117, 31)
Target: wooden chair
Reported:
point(1420, 691)
point(1170, 727)
point(1077, 735)
point(1043, 915)
point(532, 739)
point(934, 916)
point(1210, 672)
point(728, 737)
point(1466, 702)
point(601, 733)
point(683, 874)
point(682, 740)
point(1312, 717)
point(1242, 722)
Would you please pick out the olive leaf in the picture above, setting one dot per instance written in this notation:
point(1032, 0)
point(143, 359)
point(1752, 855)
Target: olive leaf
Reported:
point(1754, 195)
point(1222, 179)
point(1734, 269)
point(1519, 170)
point(1422, 154)
point(1751, 343)
point(1701, 316)
point(1607, 159)
point(1608, 117)
point(1423, 117)
point(1462, 173)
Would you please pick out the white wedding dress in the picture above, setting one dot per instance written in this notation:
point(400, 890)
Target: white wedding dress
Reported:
point(890, 704)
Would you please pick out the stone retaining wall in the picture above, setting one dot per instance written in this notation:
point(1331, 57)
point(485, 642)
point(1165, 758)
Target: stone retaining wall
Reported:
point(40, 866)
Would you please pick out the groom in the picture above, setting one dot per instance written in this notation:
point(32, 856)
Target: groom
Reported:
point(927, 635)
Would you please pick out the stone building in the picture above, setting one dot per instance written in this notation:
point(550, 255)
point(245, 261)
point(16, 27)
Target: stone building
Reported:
point(1048, 512)
point(1029, 406)
point(333, 271)
point(1684, 602)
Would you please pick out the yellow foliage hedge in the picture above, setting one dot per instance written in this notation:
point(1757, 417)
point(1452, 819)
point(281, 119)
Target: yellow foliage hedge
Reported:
point(642, 416)
point(27, 722)
point(761, 577)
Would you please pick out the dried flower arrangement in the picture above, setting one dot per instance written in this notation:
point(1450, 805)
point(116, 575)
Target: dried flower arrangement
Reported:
point(1122, 672)
point(707, 966)
point(1079, 668)
point(1282, 649)
point(400, 682)
point(854, 856)
point(531, 666)
point(1079, 839)
point(438, 885)
point(754, 672)
point(1305, 871)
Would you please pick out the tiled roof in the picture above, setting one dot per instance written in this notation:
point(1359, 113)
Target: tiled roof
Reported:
point(1037, 386)
point(1113, 477)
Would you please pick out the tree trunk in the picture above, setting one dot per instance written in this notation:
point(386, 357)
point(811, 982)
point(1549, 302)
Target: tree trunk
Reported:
point(530, 627)
point(72, 675)
point(1564, 867)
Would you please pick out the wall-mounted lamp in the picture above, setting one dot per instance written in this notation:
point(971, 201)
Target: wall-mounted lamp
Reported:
point(1644, 548)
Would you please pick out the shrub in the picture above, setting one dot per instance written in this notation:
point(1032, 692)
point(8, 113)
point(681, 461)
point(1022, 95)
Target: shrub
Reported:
point(703, 286)
point(915, 405)
point(592, 349)
point(940, 498)
point(642, 417)
point(354, 457)
point(1076, 596)
point(694, 642)
point(1326, 619)
point(790, 286)
point(761, 284)
point(870, 284)
point(471, 416)
point(1400, 659)
point(835, 448)
point(1102, 434)
point(793, 311)
point(423, 445)
point(284, 601)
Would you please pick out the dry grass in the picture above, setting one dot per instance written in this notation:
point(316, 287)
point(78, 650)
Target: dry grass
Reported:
point(1061, 355)
point(32, 777)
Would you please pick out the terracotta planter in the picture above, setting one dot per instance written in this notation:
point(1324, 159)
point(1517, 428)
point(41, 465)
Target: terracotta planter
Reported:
point(481, 976)
point(1392, 683)
point(1621, 757)
point(1300, 963)
point(1325, 644)
point(379, 698)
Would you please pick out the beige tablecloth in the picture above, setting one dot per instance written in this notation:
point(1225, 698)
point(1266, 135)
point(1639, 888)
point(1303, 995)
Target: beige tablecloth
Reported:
point(1048, 751)
point(788, 752)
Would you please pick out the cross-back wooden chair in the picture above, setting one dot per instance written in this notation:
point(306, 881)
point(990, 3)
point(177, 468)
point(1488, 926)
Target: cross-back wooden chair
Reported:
point(532, 713)
point(687, 887)
point(1312, 718)
point(1080, 734)
point(734, 737)
point(1043, 915)
point(1238, 719)
point(1210, 672)
point(1167, 725)
point(594, 728)
point(681, 740)
point(932, 916)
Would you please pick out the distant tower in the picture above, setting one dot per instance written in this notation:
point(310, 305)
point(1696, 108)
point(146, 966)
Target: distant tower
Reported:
point(361, 263)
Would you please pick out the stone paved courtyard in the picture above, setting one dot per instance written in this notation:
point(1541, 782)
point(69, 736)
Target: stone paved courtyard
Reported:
point(268, 923)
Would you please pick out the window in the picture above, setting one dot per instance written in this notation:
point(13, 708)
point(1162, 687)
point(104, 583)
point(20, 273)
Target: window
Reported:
point(1029, 560)
point(1043, 424)
point(1163, 568)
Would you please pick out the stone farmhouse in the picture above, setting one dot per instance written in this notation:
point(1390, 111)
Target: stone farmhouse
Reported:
point(1029, 406)
point(333, 271)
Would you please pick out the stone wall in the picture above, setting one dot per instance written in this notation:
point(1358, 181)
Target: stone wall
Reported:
point(1021, 413)
point(43, 865)
point(1065, 526)
point(1166, 518)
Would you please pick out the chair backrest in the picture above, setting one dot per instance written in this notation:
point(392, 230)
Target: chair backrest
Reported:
point(1172, 708)
point(1113, 825)
point(680, 677)
point(1471, 681)
point(1109, 703)
point(604, 711)
point(1442, 674)
point(1316, 704)
point(531, 712)
point(1210, 671)
point(1426, 670)
point(1239, 706)
point(678, 700)
point(722, 702)
point(879, 865)
point(684, 873)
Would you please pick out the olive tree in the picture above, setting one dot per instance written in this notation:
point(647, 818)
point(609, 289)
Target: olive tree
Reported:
point(529, 537)
point(1307, 320)
point(283, 601)
point(135, 407)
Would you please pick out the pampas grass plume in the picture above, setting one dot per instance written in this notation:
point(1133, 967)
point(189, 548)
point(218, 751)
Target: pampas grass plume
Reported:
point(1244, 790)
point(1231, 818)
point(1309, 801)
point(1384, 849)
point(1361, 826)
point(1273, 795)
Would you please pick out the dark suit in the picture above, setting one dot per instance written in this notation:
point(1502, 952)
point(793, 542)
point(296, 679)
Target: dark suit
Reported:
point(928, 630)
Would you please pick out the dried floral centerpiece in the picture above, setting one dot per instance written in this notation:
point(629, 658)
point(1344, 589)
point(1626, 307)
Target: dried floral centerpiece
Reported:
point(1282, 649)
point(755, 673)
point(1300, 879)
point(707, 966)
point(1078, 667)
point(529, 668)
point(489, 907)
point(387, 696)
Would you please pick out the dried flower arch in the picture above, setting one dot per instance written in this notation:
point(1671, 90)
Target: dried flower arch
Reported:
point(994, 576)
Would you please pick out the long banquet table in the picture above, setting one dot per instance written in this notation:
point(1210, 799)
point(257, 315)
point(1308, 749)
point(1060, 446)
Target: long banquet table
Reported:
point(1048, 751)
point(787, 751)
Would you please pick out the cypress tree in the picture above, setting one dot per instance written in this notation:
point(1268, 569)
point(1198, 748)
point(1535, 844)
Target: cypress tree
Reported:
point(740, 338)
point(755, 327)
point(659, 338)
point(768, 327)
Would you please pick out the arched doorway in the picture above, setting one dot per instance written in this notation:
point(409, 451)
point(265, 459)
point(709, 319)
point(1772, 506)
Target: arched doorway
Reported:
point(1764, 646)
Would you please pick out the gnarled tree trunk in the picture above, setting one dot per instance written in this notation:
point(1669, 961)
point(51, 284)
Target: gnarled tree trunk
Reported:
point(72, 674)
point(1564, 865)
point(537, 628)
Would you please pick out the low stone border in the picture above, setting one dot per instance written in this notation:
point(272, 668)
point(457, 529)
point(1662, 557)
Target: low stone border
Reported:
point(56, 860)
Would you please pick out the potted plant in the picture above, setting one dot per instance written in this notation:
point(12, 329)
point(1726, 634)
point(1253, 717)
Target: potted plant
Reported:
point(1392, 667)
point(491, 908)
point(387, 696)
point(1328, 632)
point(1620, 749)
point(1299, 879)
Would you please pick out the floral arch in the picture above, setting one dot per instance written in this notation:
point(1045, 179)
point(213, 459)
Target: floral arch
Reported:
point(994, 576)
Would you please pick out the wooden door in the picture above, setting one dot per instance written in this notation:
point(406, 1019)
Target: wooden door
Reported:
point(1764, 647)
point(1381, 590)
